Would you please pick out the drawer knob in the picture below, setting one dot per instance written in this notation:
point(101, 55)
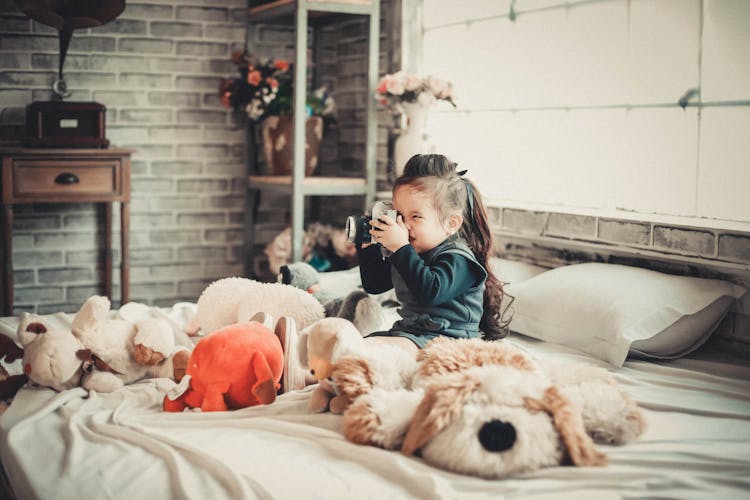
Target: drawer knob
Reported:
point(67, 178)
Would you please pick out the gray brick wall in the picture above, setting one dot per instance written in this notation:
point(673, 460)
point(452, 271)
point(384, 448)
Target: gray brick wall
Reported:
point(156, 68)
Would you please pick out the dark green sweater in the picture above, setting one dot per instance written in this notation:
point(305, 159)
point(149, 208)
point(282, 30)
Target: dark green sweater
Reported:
point(441, 291)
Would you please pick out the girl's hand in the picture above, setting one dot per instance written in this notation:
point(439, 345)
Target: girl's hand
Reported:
point(392, 234)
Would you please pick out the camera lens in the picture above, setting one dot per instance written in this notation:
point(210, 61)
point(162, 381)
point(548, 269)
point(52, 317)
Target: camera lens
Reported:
point(351, 229)
point(358, 229)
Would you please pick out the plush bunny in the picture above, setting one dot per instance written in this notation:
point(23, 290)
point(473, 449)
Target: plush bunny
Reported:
point(488, 409)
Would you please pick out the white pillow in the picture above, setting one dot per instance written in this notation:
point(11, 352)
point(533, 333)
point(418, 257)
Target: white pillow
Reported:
point(607, 310)
point(511, 271)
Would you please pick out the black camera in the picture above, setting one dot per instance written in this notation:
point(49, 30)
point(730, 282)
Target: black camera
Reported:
point(358, 226)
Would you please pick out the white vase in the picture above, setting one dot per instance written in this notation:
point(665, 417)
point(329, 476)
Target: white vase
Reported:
point(411, 141)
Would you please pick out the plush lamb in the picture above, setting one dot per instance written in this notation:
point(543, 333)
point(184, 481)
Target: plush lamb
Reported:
point(357, 306)
point(489, 409)
point(230, 301)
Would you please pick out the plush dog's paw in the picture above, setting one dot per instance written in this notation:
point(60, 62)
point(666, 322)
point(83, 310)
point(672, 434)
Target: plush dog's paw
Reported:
point(320, 400)
point(381, 418)
point(339, 404)
point(620, 427)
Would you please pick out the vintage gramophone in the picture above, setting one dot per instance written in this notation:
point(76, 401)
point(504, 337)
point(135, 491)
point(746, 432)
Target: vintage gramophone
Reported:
point(58, 123)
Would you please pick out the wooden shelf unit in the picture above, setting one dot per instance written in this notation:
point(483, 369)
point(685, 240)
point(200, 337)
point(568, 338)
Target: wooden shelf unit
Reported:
point(303, 13)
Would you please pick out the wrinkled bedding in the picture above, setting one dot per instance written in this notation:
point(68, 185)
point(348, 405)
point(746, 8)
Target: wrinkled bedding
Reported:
point(121, 445)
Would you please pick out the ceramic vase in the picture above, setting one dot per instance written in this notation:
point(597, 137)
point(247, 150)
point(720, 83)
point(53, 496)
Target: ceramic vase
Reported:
point(411, 140)
point(278, 147)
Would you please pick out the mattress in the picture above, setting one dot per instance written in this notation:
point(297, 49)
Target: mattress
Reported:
point(122, 445)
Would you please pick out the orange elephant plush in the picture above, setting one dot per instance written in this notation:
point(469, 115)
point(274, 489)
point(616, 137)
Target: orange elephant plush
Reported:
point(234, 367)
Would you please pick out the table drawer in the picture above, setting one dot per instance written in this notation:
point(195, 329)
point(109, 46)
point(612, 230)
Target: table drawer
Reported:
point(94, 180)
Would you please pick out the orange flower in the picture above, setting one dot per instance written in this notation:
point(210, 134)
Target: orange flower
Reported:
point(254, 78)
point(382, 86)
point(281, 65)
point(272, 82)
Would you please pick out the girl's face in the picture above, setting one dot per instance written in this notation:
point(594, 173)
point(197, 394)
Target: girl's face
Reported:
point(426, 230)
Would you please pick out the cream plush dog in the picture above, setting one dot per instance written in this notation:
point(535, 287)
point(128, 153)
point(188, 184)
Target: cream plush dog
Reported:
point(329, 340)
point(488, 409)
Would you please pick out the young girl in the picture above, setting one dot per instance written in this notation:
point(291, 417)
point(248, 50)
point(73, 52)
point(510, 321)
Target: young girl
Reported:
point(440, 244)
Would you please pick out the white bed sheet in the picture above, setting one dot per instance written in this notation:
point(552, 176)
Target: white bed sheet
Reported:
point(121, 445)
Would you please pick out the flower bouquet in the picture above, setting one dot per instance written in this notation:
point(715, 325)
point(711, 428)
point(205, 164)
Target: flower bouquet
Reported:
point(395, 89)
point(264, 92)
point(265, 89)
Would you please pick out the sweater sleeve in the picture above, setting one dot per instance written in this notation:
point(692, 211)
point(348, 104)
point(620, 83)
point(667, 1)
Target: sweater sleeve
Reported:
point(374, 270)
point(449, 276)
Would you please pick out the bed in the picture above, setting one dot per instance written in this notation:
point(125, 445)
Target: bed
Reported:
point(122, 445)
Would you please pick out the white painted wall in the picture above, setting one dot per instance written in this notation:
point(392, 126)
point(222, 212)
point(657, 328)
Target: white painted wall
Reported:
point(574, 105)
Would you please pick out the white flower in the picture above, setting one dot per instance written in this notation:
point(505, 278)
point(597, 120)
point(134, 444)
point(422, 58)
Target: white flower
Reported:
point(254, 109)
point(394, 86)
point(412, 83)
point(437, 85)
point(321, 92)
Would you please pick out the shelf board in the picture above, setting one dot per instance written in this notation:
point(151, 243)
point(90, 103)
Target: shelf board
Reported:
point(311, 186)
point(280, 10)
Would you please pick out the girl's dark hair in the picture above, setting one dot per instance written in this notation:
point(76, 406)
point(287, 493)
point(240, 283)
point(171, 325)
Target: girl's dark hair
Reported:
point(455, 194)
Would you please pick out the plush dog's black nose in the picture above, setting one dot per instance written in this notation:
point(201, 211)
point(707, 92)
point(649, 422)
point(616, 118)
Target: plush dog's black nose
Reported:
point(497, 435)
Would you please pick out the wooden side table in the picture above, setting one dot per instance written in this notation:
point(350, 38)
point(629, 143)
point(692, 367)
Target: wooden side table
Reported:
point(42, 175)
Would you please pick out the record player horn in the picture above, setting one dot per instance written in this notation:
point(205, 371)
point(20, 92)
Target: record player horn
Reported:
point(67, 16)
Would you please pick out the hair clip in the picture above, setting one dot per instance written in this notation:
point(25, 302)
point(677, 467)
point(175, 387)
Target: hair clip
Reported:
point(469, 195)
point(462, 172)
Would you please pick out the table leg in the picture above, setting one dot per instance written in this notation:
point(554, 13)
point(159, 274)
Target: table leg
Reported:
point(125, 252)
point(6, 289)
point(251, 212)
point(107, 264)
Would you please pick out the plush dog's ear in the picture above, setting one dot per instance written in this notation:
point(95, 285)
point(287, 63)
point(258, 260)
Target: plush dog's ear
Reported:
point(569, 423)
point(29, 327)
point(353, 377)
point(441, 403)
